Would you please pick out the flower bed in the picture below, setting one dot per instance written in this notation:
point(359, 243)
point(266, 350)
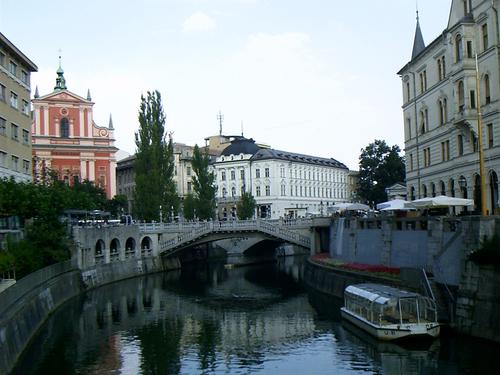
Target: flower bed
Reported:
point(324, 258)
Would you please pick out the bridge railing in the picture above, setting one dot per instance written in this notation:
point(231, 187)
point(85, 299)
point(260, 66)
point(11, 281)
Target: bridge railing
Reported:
point(197, 230)
point(189, 226)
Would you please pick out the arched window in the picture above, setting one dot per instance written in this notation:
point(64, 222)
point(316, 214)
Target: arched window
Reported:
point(443, 188)
point(64, 128)
point(459, 48)
point(487, 89)
point(433, 189)
point(424, 190)
point(233, 191)
point(461, 96)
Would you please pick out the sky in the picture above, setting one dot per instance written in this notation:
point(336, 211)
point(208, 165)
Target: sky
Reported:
point(317, 77)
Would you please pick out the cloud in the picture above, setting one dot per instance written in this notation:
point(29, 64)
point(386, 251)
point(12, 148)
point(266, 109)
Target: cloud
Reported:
point(199, 22)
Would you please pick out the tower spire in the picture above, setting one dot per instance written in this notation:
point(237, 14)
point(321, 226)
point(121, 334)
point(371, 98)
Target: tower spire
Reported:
point(60, 80)
point(418, 41)
point(89, 98)
point(220, 117)
point(110, 127)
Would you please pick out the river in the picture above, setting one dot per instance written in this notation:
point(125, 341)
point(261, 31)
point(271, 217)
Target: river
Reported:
point(207, 319)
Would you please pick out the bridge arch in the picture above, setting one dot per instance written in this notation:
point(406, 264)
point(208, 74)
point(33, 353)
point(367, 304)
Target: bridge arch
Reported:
point(100, 248)
point(146, 245)
point(130, 246)
point(114, 249)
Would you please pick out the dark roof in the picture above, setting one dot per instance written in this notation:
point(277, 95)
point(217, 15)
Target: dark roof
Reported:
point(241, 146)
point(418, 42)
point(268, 153)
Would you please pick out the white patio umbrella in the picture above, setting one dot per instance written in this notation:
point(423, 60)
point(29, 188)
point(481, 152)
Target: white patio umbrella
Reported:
point(394, 205)
point(440, 201)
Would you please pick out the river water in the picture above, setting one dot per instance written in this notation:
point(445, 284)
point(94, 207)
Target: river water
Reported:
point(207, 319)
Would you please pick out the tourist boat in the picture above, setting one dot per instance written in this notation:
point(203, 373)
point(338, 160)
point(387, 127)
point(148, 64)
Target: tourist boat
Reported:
point(389, 313)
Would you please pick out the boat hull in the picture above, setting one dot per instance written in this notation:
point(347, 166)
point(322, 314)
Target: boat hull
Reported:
point(393, 331)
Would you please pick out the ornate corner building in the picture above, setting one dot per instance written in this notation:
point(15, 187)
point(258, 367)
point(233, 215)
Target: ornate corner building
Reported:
point(15, 112)
point(67, 141)
point(441, 102)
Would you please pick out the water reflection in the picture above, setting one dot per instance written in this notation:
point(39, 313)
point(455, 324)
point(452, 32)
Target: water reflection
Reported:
point(208, 319)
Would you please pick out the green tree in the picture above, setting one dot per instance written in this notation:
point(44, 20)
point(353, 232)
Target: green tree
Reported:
point(380, 166)
point(189, 207)
point(117, 205)
point(154, 163)
point(203, 185)
point(246, 206)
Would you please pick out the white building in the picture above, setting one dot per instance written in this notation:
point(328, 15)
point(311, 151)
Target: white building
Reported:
point(440, 106)
point(284, 184)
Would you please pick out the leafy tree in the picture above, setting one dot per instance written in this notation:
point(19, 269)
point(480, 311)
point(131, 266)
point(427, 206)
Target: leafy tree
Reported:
point(203, 185)
point(154, 164)
point(117, 205)
point(380, 166)
point(246, 206)
point(189, 207)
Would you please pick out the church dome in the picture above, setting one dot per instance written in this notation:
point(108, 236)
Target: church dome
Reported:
point(241, 146)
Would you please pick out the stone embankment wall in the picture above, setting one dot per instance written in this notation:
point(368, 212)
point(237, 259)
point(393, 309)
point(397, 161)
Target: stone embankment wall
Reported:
point(478, 302)
point(26, 305)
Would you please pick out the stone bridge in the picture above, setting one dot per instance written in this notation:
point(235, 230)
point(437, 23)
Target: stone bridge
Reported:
point(100, 244)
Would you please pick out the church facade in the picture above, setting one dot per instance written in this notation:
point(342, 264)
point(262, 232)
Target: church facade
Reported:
point(67, 141)
point(440, 106)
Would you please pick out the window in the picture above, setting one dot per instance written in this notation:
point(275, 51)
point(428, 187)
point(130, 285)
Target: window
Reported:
point(3, 159)
point(257, 173)
point(421, 76)
point(472, 99)
point(461, 96)
point(427, 157)
point(14, 132)
point(13, 99)
point(487, 89)
point(188, 170)
point(26, 137)
point(64, 128)
point(223, 176)
point(459, 48)
point(233, 191)
point(283, 190)
point(3, 126)
point(26, 108)
point(224, 192)
point(268, 190)
point(2, 93)
point(15, 163)
point(489, 128)
point(266, 171)
point(26, 166)
point(24, 77)
point(408, 91)
point(233, 175)
point(445, 151)
point(460, 145)
point(473, 141)
point(411, 162)
point(2, 58)
point(425, 80)
point(443, 66)
point(242, 174)
point(469, 49)
point(441, 119)
point(13, 68)
point(440, 70)
point(484, 31)
point(189, 186)
point(408, 125)
point(257, 191)
point(445, 110)
point(102, 181)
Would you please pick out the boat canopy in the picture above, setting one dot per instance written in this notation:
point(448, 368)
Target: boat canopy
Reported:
point(379, 293)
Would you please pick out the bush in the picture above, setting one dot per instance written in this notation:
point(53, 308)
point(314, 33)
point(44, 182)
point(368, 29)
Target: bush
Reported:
point(488, 253)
